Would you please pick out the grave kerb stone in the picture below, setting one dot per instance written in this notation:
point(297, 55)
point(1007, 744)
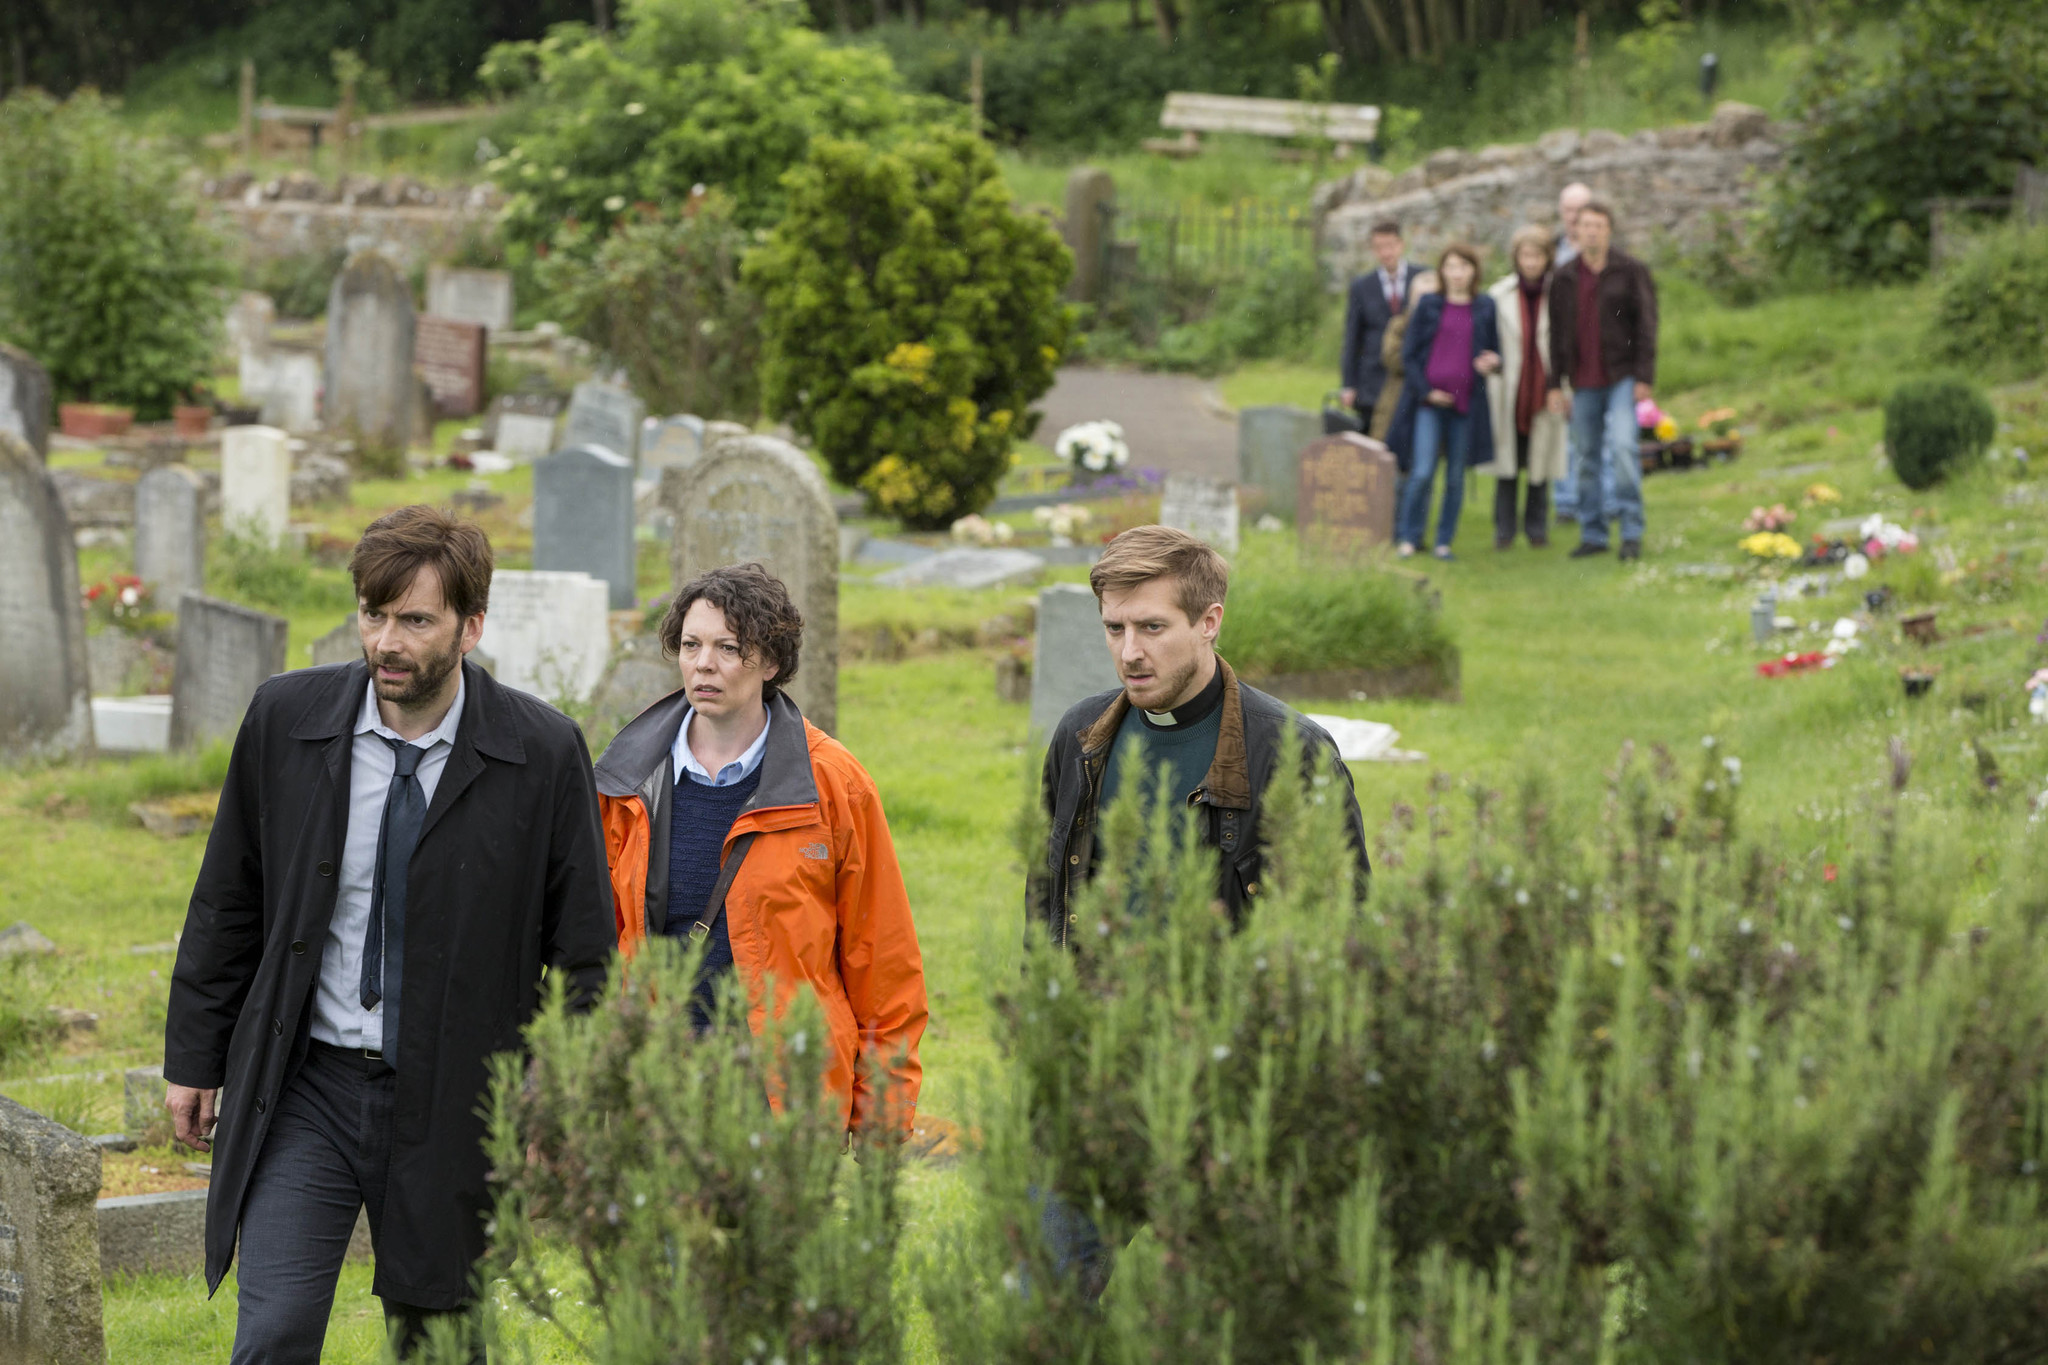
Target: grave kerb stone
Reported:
point(967, 567)
point(49, 1242)
point(170, 530)
point(225, 652)
point(45, 688)
point(583, 517)
point(1069, 657)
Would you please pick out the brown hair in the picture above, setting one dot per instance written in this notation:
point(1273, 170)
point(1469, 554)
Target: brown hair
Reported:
point(1538, 237)
point(1386, 227)
point(1598, 206)
point(1469, 254)
point(1144, 553)
point(757, 609)
point(396, 544)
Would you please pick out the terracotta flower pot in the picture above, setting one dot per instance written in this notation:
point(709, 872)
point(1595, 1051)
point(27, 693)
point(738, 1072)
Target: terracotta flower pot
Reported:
point(90, 421)
point(191, 419)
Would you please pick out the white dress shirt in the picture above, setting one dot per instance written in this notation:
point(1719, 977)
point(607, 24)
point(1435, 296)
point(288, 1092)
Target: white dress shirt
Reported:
point(338, 1014)
point(683, 761)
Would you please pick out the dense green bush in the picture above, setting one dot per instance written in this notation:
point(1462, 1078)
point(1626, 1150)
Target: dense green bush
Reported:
point(1991, 302)
point(1948, 107)
point(1272, 310)
point(108, 274)
point(662, 297)
point(712, 1224)
point(689, 92)
point(297, 283)
point(912, 318)
point(1932, 426)
point(1285, 616)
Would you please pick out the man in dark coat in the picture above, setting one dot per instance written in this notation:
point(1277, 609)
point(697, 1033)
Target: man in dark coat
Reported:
point(403, 847)
point(1180, 706)
point(1375, 299)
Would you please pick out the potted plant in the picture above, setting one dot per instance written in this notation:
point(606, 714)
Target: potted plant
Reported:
point(92, 421)
point(192, 419)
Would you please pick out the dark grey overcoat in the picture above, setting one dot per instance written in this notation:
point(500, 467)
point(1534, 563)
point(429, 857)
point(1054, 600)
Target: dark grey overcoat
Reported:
point(508, 879)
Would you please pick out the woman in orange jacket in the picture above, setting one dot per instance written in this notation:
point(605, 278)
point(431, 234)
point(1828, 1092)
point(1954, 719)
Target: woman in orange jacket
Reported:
point(730, 818)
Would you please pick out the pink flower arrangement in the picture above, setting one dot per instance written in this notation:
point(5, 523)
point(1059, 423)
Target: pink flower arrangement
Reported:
point(1648, 414)
point(1774, 518)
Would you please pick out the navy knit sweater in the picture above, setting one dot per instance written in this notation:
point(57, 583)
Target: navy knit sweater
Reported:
point(699, 819)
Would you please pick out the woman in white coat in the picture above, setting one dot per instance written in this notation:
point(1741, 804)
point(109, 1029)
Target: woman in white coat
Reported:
point(1528, 438)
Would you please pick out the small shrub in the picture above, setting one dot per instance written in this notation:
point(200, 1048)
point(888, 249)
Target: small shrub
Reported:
point(912, 318)
point(1989, 309)
point(297, 283)
point(1932, 426)
point(1270, 311)
point(248, 569)
point(1287, 617)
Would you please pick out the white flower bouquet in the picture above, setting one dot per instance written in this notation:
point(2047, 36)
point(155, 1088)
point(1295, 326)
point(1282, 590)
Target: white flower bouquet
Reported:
point(1097, 447)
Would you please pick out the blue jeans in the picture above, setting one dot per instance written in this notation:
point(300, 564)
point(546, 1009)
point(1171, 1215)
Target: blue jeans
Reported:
point(1604, 439)
point(1438, 431)
point(1565, 496)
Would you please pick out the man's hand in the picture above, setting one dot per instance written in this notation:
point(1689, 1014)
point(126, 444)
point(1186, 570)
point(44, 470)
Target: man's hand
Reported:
point(192, 1115)
point(1642, 392)
point(1560, 402)
point(1350, 397)
point(1440, 398)
point(1486, 362)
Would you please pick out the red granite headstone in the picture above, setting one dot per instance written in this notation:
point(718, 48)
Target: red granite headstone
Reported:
point(1346, 497)
point(450, 357)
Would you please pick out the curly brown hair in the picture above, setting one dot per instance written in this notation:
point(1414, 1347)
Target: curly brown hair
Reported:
point(757, 608)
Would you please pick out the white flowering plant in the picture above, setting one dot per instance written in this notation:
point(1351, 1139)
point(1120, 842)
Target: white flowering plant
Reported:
point(1097, 447)
point(975, 529)
point(1063, 522)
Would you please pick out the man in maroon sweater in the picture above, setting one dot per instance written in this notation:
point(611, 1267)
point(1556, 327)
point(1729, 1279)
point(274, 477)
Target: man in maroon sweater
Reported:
point(1603, 338)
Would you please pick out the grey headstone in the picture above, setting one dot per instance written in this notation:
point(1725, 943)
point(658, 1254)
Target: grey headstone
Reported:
point(170, 531)
point(758, 499)
point(1269, 445)
point(342, 645)
point(481, 296)
point(371, 393)
point(525, 436)
point(1069, 659)
point(50, 1253)
point(549, 631)
point(284, 385)
point(255, 483)
point(1204, 508)
point(225, 652)
point(602, 414)
point(25, 397)
point(583, 517)
point(248, 322)
point(670, 441)
point(640, 675)
point(318, 477)
point(965, 567)
point(45, 692)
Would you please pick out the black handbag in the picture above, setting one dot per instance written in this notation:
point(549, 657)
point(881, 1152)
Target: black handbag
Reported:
point(1337, 418)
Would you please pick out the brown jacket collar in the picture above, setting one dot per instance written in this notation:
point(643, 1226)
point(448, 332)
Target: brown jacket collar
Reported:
point(1229, 781)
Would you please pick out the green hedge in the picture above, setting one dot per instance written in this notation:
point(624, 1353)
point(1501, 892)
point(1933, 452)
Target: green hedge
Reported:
point(1991, 305)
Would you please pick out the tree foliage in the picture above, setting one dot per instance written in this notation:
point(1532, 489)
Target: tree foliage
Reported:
point(912, 317)
point(108, 273)
point(1990, 304)
point(713, 92)
point(1948, 108)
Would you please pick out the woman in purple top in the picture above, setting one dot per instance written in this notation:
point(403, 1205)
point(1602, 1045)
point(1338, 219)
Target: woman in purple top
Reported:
point(1453, 338)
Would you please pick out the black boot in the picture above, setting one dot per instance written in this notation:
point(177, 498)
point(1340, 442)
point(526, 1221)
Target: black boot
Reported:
point(1504, 513)
point(1536, 515)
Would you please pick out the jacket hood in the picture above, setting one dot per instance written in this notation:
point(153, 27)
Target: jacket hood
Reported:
point(640, 753)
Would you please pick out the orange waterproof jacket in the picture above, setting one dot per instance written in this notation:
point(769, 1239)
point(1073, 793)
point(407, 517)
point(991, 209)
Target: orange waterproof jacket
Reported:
point(818, 897)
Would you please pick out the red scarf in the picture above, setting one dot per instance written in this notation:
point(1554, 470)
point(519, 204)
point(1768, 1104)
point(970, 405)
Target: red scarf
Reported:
point(1530, 392)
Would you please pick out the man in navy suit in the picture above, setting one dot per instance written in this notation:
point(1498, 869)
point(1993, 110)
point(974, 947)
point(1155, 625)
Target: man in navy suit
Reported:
point(1376, 299)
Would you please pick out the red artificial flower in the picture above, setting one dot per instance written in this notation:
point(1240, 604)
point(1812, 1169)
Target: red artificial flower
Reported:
point(1827, 872)
point(95, 592)
point(1793, 663)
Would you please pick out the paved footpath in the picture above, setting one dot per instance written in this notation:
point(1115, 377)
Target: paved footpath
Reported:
point(1172, 422)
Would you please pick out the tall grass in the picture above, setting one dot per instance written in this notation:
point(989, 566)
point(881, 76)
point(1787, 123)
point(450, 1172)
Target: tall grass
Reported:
point(1287, 615)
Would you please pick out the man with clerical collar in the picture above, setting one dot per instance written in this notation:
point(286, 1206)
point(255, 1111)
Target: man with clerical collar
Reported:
point(1184, 712)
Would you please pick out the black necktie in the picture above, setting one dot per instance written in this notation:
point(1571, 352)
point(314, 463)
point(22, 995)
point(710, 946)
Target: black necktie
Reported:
point(405, 809)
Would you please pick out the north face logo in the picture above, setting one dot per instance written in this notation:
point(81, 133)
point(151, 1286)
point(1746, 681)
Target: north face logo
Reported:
point(816, 852)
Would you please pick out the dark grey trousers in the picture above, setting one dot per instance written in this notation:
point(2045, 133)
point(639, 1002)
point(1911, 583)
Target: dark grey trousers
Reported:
point(323, 1161)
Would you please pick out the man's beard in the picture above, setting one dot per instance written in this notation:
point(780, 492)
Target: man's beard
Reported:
point(429, 672)
point(1172, 685)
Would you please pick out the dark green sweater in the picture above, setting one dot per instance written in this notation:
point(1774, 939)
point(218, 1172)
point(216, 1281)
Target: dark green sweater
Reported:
point(1183, 741)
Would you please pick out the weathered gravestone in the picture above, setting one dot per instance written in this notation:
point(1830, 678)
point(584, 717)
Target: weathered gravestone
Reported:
point(602, 414)
point(671, 442)
point(522, 425)
point(49, 1243)
point(248, 322)
point(255, 483)
point(583, 517)
point(284, 383)
point(1069, 659)
point(1085, 226)
point(758, 499)
point(1269, 445)
point(1205, 508)
point(450, 356)
point(483, 297)
point(25, 400)
point(225, 652)
point(370, 327)
point(170, 530)
point(549, 632)
point(45, 695)
point(1346, 496)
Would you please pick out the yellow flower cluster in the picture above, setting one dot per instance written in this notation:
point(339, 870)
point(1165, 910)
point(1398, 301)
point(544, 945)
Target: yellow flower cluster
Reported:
point(1822, 494)
point(1666, 429)
point(1770, 545)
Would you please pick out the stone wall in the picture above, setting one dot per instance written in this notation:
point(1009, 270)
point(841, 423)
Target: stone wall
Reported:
point(1666, 185)
point(299, 214)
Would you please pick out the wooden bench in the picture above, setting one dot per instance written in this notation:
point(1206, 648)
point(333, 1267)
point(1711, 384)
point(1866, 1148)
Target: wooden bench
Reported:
point(1346, 125)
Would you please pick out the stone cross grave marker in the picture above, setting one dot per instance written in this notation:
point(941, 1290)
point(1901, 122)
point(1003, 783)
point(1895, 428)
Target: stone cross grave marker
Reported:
point(1269, 444)
point(483, 297)
point(758, 499)
point(225, 652)
point(583, 517)
point(370, 328)
point(1204, 508)
point(25, 400)
point(45, 695)
point(671, 441)
point(450, 355)
point(1069, 658)
point(1346, 503)
point(49, 1243)
point(549, 632)
point(522, 425)
point(602, 414)
point(170, 531)
point(255, 482)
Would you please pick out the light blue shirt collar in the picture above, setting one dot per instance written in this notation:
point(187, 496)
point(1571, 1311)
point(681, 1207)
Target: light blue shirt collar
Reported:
point(371, 721)
point(739, 770)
